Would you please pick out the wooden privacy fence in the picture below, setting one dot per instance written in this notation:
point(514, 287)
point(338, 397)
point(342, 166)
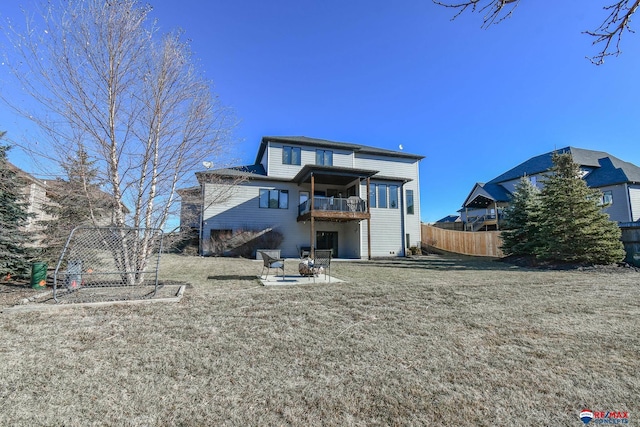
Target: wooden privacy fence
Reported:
point(477, 243)
point(487, 243)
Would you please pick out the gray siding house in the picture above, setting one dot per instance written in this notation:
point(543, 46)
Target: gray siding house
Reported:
point(357, 200)
point(618, 180)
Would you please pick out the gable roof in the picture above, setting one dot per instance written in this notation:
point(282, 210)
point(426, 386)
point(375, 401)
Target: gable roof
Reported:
point(323, 143)
point(613, 171)
point(605, 169)
point(482, 195)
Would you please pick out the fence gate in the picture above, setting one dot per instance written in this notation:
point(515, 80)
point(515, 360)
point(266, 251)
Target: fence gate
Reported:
point(108, 264)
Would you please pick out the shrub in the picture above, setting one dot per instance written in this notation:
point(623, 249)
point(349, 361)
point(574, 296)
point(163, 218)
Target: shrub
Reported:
point(242, 243)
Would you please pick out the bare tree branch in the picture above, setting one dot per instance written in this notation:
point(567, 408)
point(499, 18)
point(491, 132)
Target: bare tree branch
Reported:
point(608, 35)
point(494, 11)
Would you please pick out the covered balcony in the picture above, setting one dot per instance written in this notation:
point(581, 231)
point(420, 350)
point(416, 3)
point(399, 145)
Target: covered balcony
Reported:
point(329, 207)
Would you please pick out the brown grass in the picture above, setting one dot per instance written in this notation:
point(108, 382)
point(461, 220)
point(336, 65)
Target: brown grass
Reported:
point(423, 341)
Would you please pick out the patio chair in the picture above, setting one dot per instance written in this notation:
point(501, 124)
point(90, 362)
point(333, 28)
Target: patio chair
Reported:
point(270, 262)
point(353, 203)
point(322, 260)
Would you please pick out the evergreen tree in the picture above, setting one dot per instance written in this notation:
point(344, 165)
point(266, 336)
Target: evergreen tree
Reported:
point(521, 220)
point(14, 251)
point(573, 227)
point(75, 201)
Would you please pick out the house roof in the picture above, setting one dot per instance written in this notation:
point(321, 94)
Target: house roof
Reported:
point(605, 169)
point(482, 195)
point(613, 171)
point(25, 175)
point(331, 174)
point(450, 218)
point(239, 172)
point(314, 142)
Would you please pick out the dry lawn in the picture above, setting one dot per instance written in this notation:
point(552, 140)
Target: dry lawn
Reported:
point(422, 341)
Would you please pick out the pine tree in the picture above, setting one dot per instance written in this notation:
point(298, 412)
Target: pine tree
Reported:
point(15, 254)
point(573, 227)
point(521, 220)
point(75, 201)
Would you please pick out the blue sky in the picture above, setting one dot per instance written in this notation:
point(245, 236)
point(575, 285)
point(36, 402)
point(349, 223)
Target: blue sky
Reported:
point(474, 102)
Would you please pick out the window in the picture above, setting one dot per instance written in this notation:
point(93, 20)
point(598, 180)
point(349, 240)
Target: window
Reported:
point(382, 195)
point(303, 198)
point(324, 157)
point(409, 202)
point(533, 180)
point(607, 198)
point(274, 199)
point(332, 192)
point(372, 196)
point(290, 155)
point(393, 196)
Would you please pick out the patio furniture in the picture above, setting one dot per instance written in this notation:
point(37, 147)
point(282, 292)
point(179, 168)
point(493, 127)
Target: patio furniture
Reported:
point(353, 203)
point(269, 261)
point(322, 261)
point(304, 251)
point(305, 267)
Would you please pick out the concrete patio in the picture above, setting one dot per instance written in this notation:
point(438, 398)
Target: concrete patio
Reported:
point(292, 277)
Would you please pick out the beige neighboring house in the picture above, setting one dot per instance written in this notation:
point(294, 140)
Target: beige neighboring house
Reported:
point(35, 193)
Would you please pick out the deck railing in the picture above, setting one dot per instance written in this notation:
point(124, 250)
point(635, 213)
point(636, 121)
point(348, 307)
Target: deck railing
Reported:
point(337, 204)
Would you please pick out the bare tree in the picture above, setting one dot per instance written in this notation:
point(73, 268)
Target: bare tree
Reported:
point(607, 36)
point(100, 77)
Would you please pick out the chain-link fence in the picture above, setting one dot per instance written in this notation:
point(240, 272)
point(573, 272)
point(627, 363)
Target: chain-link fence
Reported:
point(123, 262)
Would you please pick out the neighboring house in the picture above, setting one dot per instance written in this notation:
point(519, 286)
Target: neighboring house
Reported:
point(619, 182)
point(357, 200)
point(449, 222)
point(37, 195)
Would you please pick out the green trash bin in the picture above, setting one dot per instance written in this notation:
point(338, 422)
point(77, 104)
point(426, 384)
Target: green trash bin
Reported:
point(39, 275)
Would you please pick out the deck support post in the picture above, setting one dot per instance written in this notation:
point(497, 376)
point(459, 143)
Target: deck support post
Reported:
point(312, 228)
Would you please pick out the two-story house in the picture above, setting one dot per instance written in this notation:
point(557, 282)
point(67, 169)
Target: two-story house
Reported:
point(357, 200)
point(618, 180)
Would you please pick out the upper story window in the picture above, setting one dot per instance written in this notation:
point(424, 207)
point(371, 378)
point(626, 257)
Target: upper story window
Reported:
point(393, 196)
point(410, 202)
point(382, 195)
point(290, 155)
point(274, 199)
point(607, 198)
point(324, 157)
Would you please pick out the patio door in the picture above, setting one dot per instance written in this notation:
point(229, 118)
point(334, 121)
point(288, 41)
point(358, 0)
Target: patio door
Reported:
point(327, 240)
